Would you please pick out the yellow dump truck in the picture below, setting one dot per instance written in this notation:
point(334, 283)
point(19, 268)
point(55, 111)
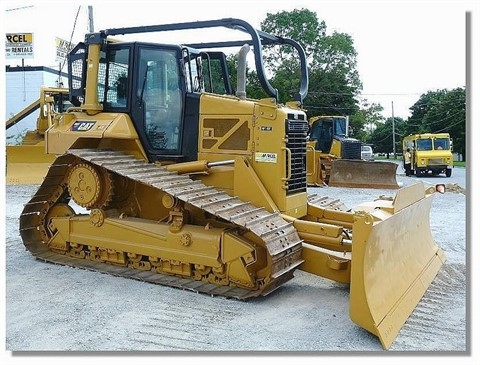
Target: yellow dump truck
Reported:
point(431, 153)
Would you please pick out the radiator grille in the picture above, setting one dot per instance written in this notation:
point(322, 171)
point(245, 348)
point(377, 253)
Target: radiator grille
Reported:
point(436, 161)
point(296, 135)
point(351, 149)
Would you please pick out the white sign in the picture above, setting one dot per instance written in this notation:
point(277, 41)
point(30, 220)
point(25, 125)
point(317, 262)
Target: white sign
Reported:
point(18, 45)
point(62, 48)
point(265, 157)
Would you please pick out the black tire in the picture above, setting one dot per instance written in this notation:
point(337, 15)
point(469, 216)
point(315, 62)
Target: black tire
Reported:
point(418, 172)
point(448, 172)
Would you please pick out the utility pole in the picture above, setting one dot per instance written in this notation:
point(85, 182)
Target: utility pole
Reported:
point(90, 19)
point(393, 134)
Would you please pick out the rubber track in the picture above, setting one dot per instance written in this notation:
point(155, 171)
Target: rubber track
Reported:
point(280, 237)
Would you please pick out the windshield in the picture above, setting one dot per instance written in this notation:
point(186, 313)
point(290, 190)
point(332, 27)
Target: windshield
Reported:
point(442, 143)
point(340, 128)
point(424, 144)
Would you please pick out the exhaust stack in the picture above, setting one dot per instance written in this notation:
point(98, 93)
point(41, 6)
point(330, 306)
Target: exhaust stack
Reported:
point(242, 72)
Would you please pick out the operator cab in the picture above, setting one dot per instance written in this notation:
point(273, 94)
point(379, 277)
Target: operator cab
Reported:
point(325, 129)
point(159, 87)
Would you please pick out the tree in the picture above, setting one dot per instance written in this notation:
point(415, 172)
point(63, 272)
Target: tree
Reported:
point(253, 88)
point(382, 136)
point(366, 120)
point(334, 80)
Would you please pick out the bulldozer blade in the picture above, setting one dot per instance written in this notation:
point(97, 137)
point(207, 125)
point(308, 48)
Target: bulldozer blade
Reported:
point(27, 164)
point(363, 174)
point(394, 260)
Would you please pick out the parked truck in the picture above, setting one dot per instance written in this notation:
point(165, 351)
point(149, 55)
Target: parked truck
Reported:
point(431, 153)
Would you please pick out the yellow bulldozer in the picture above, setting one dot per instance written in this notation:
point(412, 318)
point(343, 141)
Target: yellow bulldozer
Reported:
point(335, 159)
point(165, 174)
point(28, 162)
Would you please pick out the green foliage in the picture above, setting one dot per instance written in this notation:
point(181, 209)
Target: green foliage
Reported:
point(382, 136)
point(334, 80)
point(232, 62)
point(253, 88)
point(302, 26)
point(365, 121)
point(215, 82)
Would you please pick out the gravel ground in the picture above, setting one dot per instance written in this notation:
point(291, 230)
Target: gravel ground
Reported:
point(53, 308)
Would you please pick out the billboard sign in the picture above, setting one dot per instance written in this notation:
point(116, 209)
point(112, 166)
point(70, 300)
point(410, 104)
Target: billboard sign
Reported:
point(62, 48)
point(18, 46)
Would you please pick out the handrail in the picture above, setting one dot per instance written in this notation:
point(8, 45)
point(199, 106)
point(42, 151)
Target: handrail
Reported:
point(258, 38)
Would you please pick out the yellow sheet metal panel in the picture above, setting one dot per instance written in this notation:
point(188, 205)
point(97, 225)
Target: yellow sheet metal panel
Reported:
point(328, 264)
point(27, 164)
point(393, 262)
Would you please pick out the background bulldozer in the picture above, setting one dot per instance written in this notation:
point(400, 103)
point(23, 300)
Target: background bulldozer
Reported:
point(28, 162)
point(165, 174)
point(334, 159)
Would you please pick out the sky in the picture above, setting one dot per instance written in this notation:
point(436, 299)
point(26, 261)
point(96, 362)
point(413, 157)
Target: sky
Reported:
point(405, 48)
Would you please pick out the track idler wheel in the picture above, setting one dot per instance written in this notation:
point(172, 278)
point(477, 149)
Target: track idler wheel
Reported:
point(89, 187)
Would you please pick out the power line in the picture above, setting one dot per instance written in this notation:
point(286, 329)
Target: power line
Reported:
point(363, 94)
point(20, 8)
point(389, 94)
point(439, 120)
point(368, 94)
point(448, 126)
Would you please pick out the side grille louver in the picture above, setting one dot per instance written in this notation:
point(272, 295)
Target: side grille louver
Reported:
point(296, 134)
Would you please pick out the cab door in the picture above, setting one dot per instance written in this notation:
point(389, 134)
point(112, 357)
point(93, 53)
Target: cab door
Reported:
point(158, 100)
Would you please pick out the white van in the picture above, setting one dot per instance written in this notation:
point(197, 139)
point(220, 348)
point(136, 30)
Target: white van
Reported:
point(367, 153)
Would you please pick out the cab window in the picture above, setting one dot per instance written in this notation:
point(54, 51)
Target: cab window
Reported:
point(116, 90)
point(159, 89)
point(442, 143)
point(424, 144)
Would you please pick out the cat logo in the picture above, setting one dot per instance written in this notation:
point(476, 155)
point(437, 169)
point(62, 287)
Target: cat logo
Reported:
point(82, 126)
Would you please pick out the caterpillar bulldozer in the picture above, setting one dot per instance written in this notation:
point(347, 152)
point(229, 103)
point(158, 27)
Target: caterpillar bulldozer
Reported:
point(164, 174)
point(28, 162)
point(334, 159)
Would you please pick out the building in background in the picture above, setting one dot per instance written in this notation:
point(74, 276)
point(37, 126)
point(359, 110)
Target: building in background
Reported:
point(22, 85)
